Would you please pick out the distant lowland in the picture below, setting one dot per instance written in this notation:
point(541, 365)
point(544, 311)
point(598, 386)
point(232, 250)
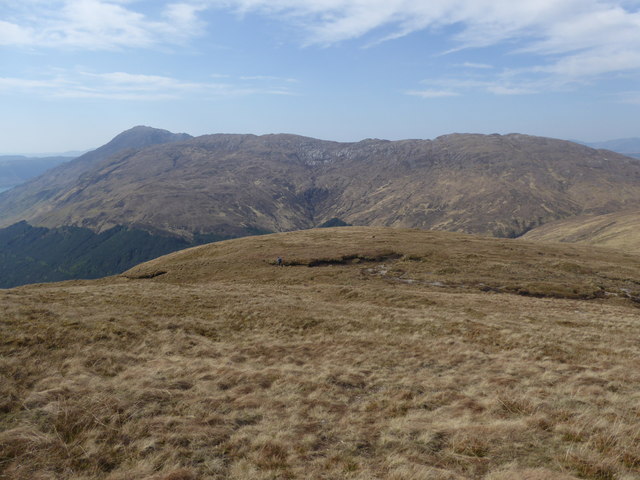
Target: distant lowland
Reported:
point(149, 192)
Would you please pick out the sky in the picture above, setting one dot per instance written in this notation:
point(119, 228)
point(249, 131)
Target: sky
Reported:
point(75, 73)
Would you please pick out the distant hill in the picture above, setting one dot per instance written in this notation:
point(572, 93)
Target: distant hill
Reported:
point(619, 230)
point(626, 146)
point(17, 169)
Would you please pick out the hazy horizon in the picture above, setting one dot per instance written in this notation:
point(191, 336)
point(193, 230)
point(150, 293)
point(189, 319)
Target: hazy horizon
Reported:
point(77, 153)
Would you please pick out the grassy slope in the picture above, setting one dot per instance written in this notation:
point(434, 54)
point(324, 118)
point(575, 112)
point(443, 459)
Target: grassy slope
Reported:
point(399, 355)
point(620, 230)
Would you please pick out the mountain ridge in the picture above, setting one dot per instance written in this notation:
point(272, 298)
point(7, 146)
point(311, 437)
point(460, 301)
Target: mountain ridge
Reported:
point(224, 184)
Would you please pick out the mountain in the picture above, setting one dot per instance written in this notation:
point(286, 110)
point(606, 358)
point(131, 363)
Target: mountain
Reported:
point(232, 185)
point(374, 353)
point(17, 169)
point(37, 194)
point(620, 230)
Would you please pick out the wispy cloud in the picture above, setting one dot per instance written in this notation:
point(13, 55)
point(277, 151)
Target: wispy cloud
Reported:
point(268, 78)
point(507, 82)
point(550, 25)
point(128, 86)
point(431, 93)
point(565, 41)
point(511, 90)
point(481, 66)
point(95, 24)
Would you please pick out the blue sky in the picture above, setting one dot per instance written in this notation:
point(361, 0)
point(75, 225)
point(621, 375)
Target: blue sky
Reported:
point(74, 73)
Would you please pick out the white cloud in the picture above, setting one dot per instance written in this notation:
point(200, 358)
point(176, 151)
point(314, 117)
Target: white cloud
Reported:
point(101, 24)
point(432, 93)
point(268, 78)
point(564, 40)
point(24, 84)
point(505, 84)
point(128, 86)
point(482, 66)
point(182, 20)
point(12, 34)
point(183, 13)
point(509, 90)
point(594, 62)
point(568, 40)
point(483, 22)
point(95, 24)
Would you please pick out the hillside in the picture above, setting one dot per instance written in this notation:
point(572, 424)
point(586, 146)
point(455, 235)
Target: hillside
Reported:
point(620, 230)
point(372, 354)
point(37, 254)
point(232, 185)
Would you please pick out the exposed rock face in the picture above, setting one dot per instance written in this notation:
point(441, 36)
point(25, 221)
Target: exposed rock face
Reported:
point(238, 184)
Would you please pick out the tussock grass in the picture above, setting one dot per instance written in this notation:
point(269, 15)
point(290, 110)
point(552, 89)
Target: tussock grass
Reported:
point(230, 367)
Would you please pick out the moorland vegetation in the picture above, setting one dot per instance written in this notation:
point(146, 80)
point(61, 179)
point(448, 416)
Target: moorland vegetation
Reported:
point(372, 353)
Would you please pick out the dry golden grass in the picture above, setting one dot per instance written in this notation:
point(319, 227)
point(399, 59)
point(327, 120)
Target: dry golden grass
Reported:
point(401, 355)
point(620, 230)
